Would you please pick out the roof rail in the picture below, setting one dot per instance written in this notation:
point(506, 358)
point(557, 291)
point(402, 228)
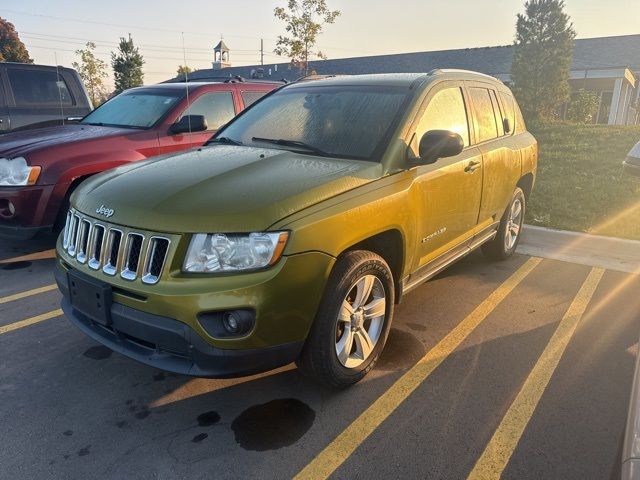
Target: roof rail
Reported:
point(473, 72)
point(234, 79)
point(315, 76)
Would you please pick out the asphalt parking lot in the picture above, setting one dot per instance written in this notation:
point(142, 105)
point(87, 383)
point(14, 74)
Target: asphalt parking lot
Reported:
point(521, 368)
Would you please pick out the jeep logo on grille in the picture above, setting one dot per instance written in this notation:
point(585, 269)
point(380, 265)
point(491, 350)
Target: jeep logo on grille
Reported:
point(107, 212)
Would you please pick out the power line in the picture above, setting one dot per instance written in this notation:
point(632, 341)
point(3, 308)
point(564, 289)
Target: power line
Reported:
point(83, 41)
point(132, 27)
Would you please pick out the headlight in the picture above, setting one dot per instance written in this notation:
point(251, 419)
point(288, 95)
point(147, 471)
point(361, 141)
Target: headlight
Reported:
point(218, 252)
point(16, 172)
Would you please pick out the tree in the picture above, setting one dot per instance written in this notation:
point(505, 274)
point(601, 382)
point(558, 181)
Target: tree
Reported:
point(92, 70)
point(127, 65)
point(184, 70)
point(583, 106)
point(304, 20)
point(543, 51)
point(11, 47)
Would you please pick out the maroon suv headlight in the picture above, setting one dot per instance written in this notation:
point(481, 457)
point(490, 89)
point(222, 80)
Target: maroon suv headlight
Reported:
point(16, 172)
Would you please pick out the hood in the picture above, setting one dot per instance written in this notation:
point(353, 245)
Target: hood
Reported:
point(219, 188)
point(20, 144)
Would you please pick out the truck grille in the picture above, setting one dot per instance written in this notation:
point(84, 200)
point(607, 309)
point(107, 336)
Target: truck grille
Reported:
point(132, 254)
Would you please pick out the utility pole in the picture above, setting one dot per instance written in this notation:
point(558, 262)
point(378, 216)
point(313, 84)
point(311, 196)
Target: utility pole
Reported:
point(261, 51)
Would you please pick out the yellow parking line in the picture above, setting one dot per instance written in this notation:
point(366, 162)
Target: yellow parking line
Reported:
point(28, 293)
point(45, 254)
point(496, 455)
point(30, 321)
point(346, 443)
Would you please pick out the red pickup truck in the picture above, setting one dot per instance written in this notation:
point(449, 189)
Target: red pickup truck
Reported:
point(40, 168)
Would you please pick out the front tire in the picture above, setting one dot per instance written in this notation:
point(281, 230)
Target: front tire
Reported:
point(352, 323)
point(506, 241)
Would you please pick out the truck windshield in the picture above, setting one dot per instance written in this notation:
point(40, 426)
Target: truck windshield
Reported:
point(337, 121)
point(134, 109)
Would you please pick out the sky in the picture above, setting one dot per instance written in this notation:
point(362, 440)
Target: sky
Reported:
point(54, 29)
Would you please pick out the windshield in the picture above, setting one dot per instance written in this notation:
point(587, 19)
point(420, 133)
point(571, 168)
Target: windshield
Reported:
point(344, 121)
point(134, 109)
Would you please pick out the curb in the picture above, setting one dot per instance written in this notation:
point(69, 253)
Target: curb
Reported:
point(582, 248)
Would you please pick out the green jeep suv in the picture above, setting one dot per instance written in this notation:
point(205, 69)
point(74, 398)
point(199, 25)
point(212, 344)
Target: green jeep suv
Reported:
point(292, 234)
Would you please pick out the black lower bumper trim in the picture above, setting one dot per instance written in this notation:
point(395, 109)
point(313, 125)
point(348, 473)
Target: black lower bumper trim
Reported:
point(174, 346)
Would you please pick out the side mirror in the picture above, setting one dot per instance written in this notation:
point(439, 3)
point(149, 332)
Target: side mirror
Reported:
point(189, 123)
point(506, 125)
point(437, 144)
point(632, 162)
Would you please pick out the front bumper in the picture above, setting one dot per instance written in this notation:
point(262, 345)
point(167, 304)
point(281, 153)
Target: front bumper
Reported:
point(632, 166)
point(171, 345)
point(160, 325)
point(25, 211)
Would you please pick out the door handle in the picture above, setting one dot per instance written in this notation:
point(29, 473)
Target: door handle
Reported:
point(472, 165)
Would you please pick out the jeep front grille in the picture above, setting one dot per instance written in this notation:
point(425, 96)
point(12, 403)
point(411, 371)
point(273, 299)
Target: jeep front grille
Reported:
point(132, 251)
point(112, 251)
point(132, 254)
point(95, 246)
point(83, 239)
point(156, 257)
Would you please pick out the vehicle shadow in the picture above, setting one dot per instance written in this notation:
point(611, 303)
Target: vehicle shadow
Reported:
point(37, 248)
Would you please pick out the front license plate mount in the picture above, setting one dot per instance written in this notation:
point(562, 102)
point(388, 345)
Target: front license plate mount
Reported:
point(90, 297)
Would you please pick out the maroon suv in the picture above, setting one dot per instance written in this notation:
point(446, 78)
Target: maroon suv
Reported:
point(40, 168)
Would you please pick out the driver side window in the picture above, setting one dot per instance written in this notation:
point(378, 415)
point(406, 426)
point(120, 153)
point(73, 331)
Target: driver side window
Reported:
point(445, 111)
point(216, 107)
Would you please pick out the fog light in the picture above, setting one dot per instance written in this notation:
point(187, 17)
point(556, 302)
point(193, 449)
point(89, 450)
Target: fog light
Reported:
point(7, 209)
point(230, 322)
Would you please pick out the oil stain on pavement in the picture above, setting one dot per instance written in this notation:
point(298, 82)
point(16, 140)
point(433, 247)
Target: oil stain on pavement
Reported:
point(272, 425)
point(207, 419)
point(402, 351)
point(99, 352)
point(200, 437)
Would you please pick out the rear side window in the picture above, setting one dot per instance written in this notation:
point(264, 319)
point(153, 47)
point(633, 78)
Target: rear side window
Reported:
point(38, 87)
point(507, 109)
point(445, 111)
point(520, 126)
point(216, 107)
point(486, 128)
point(498, 113)
point(251, 97)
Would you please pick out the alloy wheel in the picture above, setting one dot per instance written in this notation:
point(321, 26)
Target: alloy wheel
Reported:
point(360, 321)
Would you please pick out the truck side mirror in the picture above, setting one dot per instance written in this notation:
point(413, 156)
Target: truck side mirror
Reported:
point(189, 123)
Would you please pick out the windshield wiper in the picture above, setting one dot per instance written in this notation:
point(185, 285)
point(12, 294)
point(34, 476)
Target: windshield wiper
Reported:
point(293, 143)
point(225, 140)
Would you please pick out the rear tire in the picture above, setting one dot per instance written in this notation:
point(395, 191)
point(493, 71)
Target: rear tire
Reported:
point(352, 323)
point(506, 241)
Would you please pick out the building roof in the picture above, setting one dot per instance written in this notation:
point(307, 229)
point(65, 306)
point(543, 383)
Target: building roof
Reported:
point(221, 46)
point(589, 53)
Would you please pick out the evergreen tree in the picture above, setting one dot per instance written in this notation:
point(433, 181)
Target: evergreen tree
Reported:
point(542, 58)
point(127, 65)
point(11, 47)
